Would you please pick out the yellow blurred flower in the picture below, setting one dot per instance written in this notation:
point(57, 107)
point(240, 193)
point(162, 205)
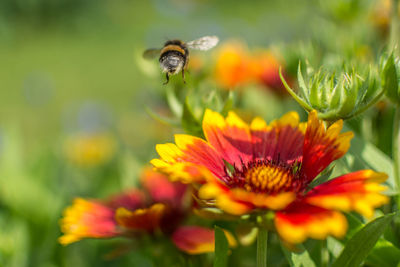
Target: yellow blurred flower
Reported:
point(89, 150)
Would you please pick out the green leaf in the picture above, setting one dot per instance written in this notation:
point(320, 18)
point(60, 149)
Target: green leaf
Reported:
point(350, 98)
point(364, 155)
point(314, 97)
point(390, 80)
point(355, 225)
point(359, 246)
point(298, 259)
point(299, 100)
point(189, 122)
point(221, 248)
point(383, 254)
point(302, 84)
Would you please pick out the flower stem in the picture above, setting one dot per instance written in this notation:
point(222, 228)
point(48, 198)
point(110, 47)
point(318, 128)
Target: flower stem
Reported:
point(324, 254)
point(262, 241)
point(396, 149)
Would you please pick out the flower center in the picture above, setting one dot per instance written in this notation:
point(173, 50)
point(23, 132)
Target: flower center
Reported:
point(267, 178)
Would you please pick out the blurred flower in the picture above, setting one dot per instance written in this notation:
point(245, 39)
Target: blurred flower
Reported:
point(196, 240)
point(267, 65)
point(90, 149)
point(160, 208)
point(196, 63)
point(245, 169)
point(380, 16)
point(87, 219)
point(233, 67)
point(337, 96)
point(236, 66)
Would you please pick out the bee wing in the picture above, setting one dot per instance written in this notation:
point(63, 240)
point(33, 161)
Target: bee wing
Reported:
point(151, 53)
point(203, 43)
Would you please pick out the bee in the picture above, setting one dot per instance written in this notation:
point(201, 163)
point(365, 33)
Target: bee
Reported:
point(174, 56)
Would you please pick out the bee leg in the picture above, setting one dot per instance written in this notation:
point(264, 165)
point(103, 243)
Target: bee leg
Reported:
point(166, 75)
point(183, 76)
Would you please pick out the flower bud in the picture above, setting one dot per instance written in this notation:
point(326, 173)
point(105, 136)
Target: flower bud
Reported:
point(334, 95)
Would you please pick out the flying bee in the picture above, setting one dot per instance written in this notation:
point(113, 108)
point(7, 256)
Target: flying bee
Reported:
point(174, 56)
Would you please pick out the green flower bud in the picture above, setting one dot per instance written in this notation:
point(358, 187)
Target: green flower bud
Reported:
point(390, 75)
point(337, 96)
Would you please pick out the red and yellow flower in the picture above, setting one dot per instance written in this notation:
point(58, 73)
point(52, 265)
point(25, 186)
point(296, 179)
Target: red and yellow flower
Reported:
point(160, 208)
point(244, 168)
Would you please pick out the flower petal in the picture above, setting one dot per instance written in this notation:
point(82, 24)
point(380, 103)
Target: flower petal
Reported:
point(359, 191)
point(87, 219)
point(162, 190)
point(188, 160)
point(233, 66)
point(184, 172)
point(131, 200)
point(239, 201)
point(322, 146)
point(281, 141)
point(222, 199)
point(230, 137)
point(301, 221)
point(198, 240)
point(141, 219)
point(199, 152)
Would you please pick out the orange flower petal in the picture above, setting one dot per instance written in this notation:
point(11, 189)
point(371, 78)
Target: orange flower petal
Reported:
point(233, 66)
point(359, 191)
point(198, 240)
point(301, 221)
point(322, 146)
point(141, 219)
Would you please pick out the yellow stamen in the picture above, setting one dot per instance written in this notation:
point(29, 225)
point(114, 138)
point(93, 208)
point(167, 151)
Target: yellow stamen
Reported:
point(267, 178)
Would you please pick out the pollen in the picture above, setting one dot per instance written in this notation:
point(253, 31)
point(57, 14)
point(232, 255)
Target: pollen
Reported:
point(267, 178)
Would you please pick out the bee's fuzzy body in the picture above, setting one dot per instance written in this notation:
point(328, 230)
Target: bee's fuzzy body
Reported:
point(174, 55)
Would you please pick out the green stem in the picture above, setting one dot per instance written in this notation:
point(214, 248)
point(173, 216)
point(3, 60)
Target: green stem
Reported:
point(396, 149)
point(262, 241)
point(394, 25)
point(324, 254)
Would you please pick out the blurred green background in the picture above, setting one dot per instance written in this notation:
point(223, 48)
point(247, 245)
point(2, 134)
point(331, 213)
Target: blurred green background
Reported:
point(73, 68)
